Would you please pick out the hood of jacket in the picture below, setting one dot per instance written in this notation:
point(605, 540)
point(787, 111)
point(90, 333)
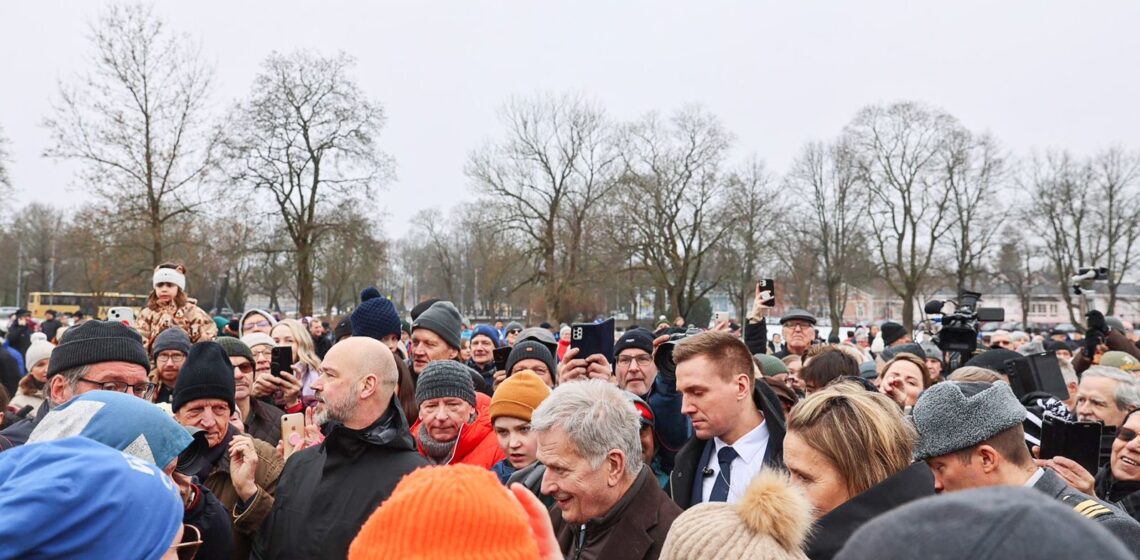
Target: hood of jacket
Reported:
point(248, 312)
point(389, 431)
point(472, 434)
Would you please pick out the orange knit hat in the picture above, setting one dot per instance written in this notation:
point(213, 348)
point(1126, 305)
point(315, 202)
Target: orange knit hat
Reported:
point(518, 396)
point(448, 512)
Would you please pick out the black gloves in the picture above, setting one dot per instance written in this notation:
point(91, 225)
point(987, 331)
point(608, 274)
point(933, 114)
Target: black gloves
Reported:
point(1095, 332)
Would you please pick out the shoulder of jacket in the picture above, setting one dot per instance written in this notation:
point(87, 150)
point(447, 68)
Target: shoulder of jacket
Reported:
point(1089, 507)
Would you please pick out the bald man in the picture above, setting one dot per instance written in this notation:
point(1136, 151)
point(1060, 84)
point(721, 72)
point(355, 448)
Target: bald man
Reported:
point(326, 492)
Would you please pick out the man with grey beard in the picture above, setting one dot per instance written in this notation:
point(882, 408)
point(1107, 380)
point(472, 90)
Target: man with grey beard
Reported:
point(454, 423)
point(327, 491)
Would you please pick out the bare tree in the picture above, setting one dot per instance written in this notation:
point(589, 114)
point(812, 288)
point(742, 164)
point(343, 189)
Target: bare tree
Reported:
point(754, 207)
point(306, 137)
point(441, 246)
point(1063, 214)
point(138, 123)
point(351, 258)
point(5, 179)
point(896, 148)
point(975, 171)
point(547, 178)
point(673, 186)
point(1116, 188)
point(829, 177)
point(1016, 269)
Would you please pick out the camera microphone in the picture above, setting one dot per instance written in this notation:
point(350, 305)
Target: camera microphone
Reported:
point(708, 471)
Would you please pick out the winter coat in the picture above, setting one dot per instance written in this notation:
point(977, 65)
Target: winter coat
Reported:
point(190, 318)
point(832, 530)
point(264, 422)
point(210, 516)
point(1123, 493)
point(1115, 340)
point(269, 467)
point(634, 529)
point(22, 400)
point(672, 428)
point(50, 327)
point(326, 493)
point(478, 444)
point(17, 434)
point(687, 466)
point(10, 371)
point(1109, 516)
point(487, 371)
point(19, 337)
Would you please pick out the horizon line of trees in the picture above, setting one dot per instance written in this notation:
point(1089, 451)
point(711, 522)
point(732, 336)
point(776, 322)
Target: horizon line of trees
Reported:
point(576, 213)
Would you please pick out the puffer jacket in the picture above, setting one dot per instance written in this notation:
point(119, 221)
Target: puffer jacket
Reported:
point(190, 318)
point(477, 444)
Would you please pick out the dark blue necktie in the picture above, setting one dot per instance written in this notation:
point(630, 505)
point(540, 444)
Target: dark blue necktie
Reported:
point(720, 487)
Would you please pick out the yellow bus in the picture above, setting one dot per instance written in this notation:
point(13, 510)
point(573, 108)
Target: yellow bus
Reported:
point(92, 305)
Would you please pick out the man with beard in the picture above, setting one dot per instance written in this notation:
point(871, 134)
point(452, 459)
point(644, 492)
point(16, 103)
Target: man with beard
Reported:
point(327, 491)
point(454, 425)
point(169, 352)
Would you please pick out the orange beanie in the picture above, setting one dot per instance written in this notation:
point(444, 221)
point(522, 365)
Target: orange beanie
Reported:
point(448, 512)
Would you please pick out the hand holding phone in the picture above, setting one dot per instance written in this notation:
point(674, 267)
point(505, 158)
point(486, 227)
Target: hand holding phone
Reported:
point(720, 317)
point(292, 432)
point(593, 339)
point(766, 293)
point(282, 357)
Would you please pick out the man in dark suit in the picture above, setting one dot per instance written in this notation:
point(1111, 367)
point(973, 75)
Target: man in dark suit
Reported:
point(738, 424)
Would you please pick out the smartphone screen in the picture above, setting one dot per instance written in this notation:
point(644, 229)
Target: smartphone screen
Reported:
point(767, 288)
point(282, 360)
point(1078, 441)
point(501, 355)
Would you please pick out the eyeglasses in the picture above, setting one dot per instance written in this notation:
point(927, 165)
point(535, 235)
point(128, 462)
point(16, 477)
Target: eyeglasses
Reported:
point(537, 370)
point(191, 541)
point(172, 358)
point(142, 390)
point(642, 361)
point(514, 331)
point(262, 354)
point(797, 326)
point(259, 324)
point(1003, 342)
point(244, 367)
point(1126, 435)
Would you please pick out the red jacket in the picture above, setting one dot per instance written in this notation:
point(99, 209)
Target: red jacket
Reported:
point(478, 444)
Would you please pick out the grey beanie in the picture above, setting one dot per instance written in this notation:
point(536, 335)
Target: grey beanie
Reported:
point(445, 378)
point(513, 326)
point(995, 522)
point(442, 318)
point(953, 416)
point(95, 342)
point(172, 338)
point(532, 350)
point(235, 347)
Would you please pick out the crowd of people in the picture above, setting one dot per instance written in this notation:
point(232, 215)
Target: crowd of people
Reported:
point(182, 435)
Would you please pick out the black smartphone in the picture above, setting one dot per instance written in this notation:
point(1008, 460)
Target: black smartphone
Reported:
point(282, 360)
point(767, 287)
point(1078, 441)
point(593, 338)
point(501, 355)
point(1037, 373)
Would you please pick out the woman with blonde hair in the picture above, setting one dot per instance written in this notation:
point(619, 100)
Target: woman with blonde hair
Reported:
point(850, 450)
point(293, 392)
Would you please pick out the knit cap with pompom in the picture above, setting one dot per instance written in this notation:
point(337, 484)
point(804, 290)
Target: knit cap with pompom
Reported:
point(40, 349)
point(771, 522)
point(376, 316)
point(456, 512)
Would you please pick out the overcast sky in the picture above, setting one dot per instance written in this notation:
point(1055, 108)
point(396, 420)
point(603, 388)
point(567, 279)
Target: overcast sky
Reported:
point(1036, 74)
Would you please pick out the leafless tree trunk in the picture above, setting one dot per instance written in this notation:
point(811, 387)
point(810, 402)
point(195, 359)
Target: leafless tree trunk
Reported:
point(1116, 184)
point(975, 170)
point(1015, 268)
point(547, 179)
point(138, 123)
point(828, 177)
point(897, 149)
point(673, 188)
point(306, 137)
point(754, 207)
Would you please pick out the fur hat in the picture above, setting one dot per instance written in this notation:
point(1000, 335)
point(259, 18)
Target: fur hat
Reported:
point(955, 415)
point(771, 521)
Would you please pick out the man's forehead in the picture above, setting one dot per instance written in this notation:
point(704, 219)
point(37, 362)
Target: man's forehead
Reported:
point(110, 370)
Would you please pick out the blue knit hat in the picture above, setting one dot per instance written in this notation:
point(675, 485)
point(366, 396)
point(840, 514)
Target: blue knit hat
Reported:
point(118, 420)
point(376, 316)
point(78, 498)
point(489, 332)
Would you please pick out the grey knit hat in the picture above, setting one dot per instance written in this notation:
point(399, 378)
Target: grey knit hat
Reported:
point(513, 326)
point(994, 522)
point(95, 342)
point(532, 350)
point(442, 318)
point(445, 378)
point(953, 416)
point(172, 338)
point(235, 347)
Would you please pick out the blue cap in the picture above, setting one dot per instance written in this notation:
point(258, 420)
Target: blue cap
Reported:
point(77, 498)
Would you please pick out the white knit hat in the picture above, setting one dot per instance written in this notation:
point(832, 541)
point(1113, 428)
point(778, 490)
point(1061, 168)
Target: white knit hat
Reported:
point(40, 349)
point(771, 522)
point(169, 275)
point(253, 339)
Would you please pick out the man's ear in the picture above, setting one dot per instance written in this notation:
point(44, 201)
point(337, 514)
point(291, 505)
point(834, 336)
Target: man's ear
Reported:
point(989, 458)
point(615, 467)
point(58, 390)
point(368, 386)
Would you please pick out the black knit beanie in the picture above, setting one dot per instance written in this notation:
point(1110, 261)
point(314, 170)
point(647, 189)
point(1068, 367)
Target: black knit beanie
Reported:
point(532, 350)
point(891, 332)
point(206, 374)
point(94, 342)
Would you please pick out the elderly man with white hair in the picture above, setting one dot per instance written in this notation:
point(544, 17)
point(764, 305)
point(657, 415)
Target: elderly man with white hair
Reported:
point(609, 503)
point(1106, 394)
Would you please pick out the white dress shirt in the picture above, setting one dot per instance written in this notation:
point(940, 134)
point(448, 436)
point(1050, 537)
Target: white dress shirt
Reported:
point(749, 460)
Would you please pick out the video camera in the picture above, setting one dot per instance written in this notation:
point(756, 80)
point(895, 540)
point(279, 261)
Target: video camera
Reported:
point(1086, 275)
point(663, 357)
point(960, 329)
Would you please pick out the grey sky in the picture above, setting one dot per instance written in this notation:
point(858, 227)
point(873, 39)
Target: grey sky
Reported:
point(1036, 74)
